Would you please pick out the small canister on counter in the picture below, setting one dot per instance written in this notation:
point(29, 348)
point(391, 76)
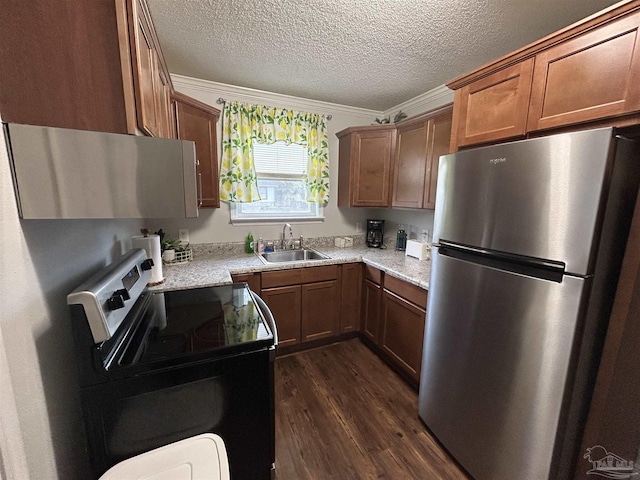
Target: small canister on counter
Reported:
point(401, 239)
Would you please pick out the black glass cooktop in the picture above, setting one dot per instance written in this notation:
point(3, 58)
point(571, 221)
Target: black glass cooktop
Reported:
point(189, 325)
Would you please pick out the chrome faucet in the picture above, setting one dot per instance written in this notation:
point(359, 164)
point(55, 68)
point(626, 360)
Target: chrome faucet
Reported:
point(287, 243)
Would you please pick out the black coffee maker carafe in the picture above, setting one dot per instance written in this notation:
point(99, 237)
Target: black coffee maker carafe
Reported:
point(375, 233)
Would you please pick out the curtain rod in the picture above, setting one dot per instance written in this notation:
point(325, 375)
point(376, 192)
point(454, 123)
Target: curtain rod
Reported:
point(221, 100)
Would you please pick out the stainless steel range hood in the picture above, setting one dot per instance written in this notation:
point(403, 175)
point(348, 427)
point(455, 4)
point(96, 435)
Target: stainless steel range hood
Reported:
point(64, 173)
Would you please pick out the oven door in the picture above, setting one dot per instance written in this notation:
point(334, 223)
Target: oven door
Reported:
point(230, 396)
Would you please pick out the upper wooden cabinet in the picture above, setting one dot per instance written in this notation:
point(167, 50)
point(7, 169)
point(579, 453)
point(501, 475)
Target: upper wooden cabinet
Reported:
point(592, 76)
point(62, 65)
point(420, 142)
point(74, 65)
point(493, 107)
point(393, 165)
point(366, 166)
point(585, 74)
point(196, 121)
point(151, 77)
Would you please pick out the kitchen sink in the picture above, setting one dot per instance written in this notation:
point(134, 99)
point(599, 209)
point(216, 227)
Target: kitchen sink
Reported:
point(284, 256)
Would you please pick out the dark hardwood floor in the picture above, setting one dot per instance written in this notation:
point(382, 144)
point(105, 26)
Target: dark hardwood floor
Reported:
point(341, 413)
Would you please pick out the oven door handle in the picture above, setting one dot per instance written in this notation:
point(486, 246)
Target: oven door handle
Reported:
point(272, 321)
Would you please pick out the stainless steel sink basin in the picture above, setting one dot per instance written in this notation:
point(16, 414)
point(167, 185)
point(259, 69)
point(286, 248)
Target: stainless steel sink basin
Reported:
point(284, 256)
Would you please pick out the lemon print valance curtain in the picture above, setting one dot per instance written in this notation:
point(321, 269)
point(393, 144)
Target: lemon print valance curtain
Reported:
point(244, 123)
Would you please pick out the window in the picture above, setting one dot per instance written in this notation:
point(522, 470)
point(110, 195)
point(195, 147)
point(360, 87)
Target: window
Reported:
point(281, 171)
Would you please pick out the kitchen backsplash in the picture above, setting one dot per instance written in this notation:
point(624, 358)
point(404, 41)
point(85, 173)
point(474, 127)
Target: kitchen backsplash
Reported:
point(205, 249)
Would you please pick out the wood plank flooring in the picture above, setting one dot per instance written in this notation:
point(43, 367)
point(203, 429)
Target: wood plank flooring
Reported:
point(341, 413)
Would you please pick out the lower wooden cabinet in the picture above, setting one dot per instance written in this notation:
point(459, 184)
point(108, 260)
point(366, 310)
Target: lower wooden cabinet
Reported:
point(317, 303)
point(402, 332)
point(371, 297)
point(393, 319)
point(350, 295)
point(304, 303)
point(252, 279)
point(285, 303)
point(371, 302)
point(319, 317)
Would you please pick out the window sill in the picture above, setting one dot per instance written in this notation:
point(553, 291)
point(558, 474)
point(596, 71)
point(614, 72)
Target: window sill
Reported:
point(276, 221)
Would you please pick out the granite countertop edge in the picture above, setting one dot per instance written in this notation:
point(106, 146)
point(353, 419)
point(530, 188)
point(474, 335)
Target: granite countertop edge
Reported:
point(216, 269)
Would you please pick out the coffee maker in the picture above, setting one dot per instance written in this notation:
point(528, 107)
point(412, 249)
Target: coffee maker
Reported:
point(375, 233)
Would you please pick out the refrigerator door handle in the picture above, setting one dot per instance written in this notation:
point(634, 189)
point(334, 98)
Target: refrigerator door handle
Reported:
point(530, 266)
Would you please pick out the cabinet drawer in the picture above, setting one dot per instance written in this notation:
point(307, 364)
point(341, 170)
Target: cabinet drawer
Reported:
point(373, 274)
point(299, 276)
point(281, 278)
point(252, 279)
point(408, 291)
point(319, 274)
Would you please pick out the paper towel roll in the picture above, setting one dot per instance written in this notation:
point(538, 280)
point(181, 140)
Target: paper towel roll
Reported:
point(151, 245)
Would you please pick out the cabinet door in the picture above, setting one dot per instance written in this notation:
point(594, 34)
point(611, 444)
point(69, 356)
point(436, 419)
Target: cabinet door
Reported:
point(163, 102)
point(197, 122)
point(350, 297)
point(319, 310)
point(589, 77)
point(494, 107)
point(145, 72)
point(284, 303)
point(371, 298)
point(402, 333)
point(372, 168)
point(439, 140)
point(410, 165)
point(62, 65)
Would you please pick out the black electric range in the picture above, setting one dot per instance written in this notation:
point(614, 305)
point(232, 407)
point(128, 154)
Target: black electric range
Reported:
point(158, 367)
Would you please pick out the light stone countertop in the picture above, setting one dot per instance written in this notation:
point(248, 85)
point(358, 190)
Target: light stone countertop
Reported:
point(215, 267)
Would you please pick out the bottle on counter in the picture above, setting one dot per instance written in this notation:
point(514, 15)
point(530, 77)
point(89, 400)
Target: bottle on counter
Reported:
point(249, 245)
point(401, 238)
point(260, 245)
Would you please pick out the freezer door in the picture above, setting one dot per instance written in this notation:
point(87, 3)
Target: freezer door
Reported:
point(542, 198)
point(495, 364)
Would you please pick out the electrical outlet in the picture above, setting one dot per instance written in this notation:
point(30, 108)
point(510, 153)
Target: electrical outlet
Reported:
point(183, 235)
point(358, 227)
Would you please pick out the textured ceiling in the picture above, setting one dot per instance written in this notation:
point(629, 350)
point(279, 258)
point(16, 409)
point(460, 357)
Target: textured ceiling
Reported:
point(367, 53)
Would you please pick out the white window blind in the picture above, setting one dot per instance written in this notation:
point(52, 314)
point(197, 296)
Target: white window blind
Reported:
point(280, 159)
point(281, 171)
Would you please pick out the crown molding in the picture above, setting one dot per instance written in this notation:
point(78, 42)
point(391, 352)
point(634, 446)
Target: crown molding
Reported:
point(269, 98)
point(424, 102)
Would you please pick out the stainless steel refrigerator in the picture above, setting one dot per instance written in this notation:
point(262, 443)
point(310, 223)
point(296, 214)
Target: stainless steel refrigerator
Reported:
point(529, 238)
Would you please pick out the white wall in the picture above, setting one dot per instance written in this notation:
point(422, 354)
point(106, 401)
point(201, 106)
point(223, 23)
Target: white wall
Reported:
point(214, 225)
point(41, 430)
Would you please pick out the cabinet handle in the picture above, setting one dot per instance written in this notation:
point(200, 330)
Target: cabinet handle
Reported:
point(199, 183)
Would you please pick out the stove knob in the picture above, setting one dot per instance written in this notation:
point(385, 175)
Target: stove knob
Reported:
point(123, 292)
point(115, 302)
point(147, 264)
